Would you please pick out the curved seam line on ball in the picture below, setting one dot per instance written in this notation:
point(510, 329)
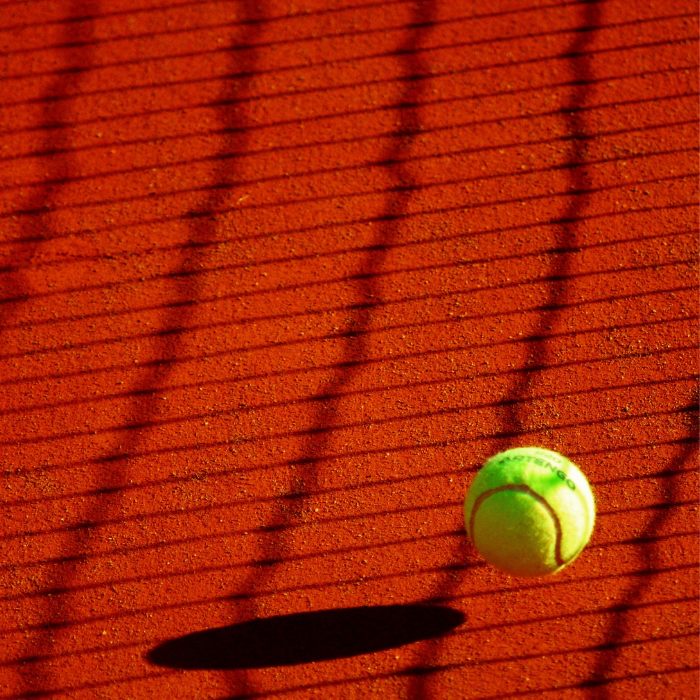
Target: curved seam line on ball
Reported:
point(522, 488)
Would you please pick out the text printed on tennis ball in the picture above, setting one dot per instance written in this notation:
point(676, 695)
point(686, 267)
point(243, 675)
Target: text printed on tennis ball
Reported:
point(529, 511)
point(541, 463)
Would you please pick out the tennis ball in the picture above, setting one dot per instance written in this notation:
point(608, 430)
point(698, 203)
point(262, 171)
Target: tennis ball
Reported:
point(529, 511)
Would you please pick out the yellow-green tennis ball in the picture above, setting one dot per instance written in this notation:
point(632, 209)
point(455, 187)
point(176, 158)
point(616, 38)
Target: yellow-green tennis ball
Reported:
point(529, 511)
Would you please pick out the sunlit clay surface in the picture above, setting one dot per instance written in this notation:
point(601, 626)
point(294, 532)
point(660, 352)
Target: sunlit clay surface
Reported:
point(277, 278)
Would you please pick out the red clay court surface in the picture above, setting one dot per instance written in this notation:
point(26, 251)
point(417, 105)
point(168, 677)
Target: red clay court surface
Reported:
point(277, 278)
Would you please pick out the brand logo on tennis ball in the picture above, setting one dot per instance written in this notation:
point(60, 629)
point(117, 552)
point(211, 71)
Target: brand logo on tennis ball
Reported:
point(540, 462)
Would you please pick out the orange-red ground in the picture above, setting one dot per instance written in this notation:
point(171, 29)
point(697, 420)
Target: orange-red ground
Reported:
point(277, 277)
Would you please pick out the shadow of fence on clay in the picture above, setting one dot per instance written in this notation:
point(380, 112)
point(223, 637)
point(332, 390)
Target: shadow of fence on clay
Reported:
point(325, 407)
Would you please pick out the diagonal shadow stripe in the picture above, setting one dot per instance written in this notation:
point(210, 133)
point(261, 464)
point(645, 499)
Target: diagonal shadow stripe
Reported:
point(381, 133)
point(196, 4)
point(619, 630)
point(392, 417)
point(113, 473)
point(140, 307)
point(370, 165)
point(366, 56)
point(56, 119)
point(677, 268)
point(198, 601)
point(581, 188)
point(545, 59)
point(115, 396)
point(237, 532)
point(493, 147)
point(580, 185)
point(226, 443)
point(149, 386)
point(305, 473)
point(192, 573)
point(515, 12)
point(489, 664)
point(679, 414)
